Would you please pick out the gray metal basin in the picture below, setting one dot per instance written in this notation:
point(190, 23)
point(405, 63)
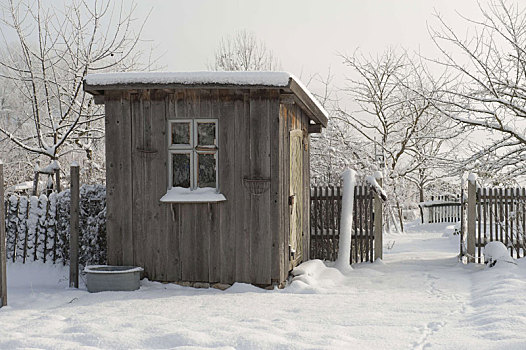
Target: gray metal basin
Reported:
point(101, 278)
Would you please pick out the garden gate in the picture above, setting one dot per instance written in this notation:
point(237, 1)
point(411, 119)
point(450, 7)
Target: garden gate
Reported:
point(326, 204)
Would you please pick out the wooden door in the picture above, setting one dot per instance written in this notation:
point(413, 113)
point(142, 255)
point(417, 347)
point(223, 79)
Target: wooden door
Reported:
point(296, 198)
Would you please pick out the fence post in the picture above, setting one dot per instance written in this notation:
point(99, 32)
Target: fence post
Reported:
point(3, 275)
point(74, 227)
point(472, 216)
point(57, 180)
point(378, 220)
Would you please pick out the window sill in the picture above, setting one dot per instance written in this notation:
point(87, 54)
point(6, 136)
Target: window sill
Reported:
point(185, 195)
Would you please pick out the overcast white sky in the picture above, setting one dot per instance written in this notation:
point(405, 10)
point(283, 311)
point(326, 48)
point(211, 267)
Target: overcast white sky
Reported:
point(306, 35)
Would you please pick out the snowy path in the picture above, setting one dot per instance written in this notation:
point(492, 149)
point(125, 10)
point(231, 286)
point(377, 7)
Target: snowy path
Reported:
point(419, 297)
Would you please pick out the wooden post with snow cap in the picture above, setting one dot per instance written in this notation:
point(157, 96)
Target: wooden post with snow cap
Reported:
point(343, 262)
point(472, 216)
point(3, 275)
point(378, 224)
point(74, 227)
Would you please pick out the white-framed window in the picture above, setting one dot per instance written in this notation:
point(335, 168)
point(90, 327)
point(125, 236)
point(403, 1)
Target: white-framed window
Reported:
point(193, 153)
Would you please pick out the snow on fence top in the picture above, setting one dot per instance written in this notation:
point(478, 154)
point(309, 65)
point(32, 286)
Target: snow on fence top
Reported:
point(262, 79)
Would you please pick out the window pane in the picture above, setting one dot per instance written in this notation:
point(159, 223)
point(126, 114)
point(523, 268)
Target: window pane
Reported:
point(181, 133)
point(181, 170)
point(206, 134)
point(207, 169)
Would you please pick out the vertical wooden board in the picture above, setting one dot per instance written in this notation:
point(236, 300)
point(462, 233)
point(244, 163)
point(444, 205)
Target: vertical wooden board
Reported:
point(148, 236)
point(484, 211)
point(156, 181)
point(202, 223)
point(227, 111)
point(286, 183)
point(112, 112)
point(306, 188)
point(187, 242)
point(214, 260)
point(283, 195)
point(171, 211)
point(260, 237)
point(118, 175)
point(242, 170)
point(141, 246)
point(203, 235)
point(490, 213)
point(198, 107)
point(180, 104)
point(125, 180)
point(173, 224)
point(275, 199)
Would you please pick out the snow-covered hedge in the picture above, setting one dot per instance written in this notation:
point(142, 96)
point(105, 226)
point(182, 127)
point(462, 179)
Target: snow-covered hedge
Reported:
point(37, 228)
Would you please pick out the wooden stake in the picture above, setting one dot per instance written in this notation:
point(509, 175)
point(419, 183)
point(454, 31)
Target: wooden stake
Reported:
point(472, 216)
point(74, 227)
point(378, 221)
point(3, 277)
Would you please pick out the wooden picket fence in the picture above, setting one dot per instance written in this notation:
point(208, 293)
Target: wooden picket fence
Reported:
point(441, 209)
point(326, 204)
point(501, 216)
point(37, 228)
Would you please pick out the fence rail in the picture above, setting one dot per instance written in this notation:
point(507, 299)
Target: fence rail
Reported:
point(37, 228)
point(441, 209)
point(326, 204)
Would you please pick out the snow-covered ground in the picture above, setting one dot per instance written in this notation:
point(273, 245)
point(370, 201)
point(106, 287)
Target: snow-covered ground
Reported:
point(419, 297)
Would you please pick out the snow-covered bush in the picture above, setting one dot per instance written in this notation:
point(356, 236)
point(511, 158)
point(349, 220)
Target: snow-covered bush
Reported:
point(37, 228)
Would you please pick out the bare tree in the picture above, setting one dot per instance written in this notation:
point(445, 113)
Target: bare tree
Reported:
point(242, 51)
point(396, 115)
point(336, 148)
point(487, 85)
point(46, 53)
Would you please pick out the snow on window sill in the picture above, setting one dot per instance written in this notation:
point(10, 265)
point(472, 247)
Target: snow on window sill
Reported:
point(185, 195)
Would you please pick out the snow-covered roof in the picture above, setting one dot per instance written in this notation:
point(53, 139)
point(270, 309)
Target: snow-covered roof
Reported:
point(97, 83)
point(191, 78)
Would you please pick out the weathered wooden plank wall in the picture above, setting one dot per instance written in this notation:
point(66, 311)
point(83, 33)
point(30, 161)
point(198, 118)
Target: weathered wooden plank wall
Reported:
point(242, 239)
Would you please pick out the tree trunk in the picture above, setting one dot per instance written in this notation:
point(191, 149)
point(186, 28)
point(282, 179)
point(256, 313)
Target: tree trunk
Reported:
point(400, 216)
point(35, 183)
point(421, 199)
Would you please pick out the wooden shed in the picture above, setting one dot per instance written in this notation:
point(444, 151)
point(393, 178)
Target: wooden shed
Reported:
point(207, 173)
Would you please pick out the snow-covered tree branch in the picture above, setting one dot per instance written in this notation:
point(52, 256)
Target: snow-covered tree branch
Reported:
point(46, 51)
point(487, 85)
point(243, 51)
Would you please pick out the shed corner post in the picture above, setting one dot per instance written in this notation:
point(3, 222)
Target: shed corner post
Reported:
point(378, 220)
point(3, 275)
point(472, 216)
point(74, 227)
